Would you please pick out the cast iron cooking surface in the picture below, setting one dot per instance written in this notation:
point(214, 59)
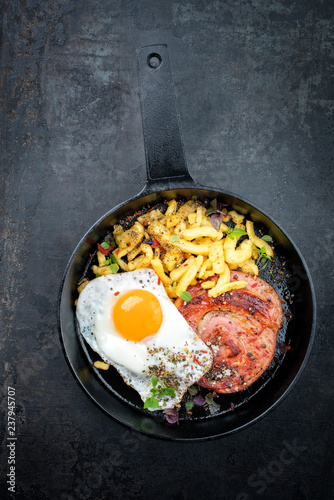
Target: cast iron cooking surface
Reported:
point(276, 274)
point(234, 411)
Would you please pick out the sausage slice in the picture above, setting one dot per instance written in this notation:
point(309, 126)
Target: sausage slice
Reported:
point(239, 326)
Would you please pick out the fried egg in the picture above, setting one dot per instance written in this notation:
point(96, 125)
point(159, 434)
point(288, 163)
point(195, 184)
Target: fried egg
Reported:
point(129, 320)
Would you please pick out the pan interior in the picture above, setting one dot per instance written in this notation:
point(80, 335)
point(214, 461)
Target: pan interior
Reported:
point(228, 412)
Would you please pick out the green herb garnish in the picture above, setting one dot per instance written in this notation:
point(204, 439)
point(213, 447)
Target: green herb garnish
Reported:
point(158, 393)
point(111, 259)
point(266, 237)
point(231, 232)
point(189, 405)
point(185, 296)
point(105, 245)
point(263, 257)
point(97, 275)
point(193, 390)
point(174, 285)
point(213, 207)
point(114, 268)
point(212, 405)
point(174, 237)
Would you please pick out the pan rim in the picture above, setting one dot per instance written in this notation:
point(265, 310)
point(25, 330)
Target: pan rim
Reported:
point(147, 191)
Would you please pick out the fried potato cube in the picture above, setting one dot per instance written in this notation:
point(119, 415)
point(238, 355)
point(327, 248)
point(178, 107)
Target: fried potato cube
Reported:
point(249, 266)
point(238, 255)
point(186, 208)
point(173, 220)
point(226, 287)
point(199, 232)
point(191, 218)
point(208, 284)
point(172, 258)
point(82, 285)
point(118, 231)
point(258, 242)
point(180, 227)
point(101, 365)
point(172, 207)
point(177, 273)
point(133, 253)
point(102, 271)
point(216, 256)
point(158, 268)
point(200, 213)
point(208, 274)
point(192, 248)
point(101, 258)
point(207, 264)
point(171, 292)
point(189, 275)
point(150, 216)
point(160, 233)
point(223, 279)
point(237, 218)
point(143, 260)
point(123, 265)
point(128, 240)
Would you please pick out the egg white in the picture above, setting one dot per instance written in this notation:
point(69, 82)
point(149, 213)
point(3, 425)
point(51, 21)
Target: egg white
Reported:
point(174, 354)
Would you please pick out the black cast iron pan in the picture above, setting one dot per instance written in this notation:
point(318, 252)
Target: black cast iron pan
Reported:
point(168, 178)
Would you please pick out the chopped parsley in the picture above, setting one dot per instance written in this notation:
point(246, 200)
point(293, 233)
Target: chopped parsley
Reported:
point(105, 245)
point(193, 390)
point(111, 259)
point(185, 296)
point(263, 257)
point(158, 393)
point(114, 268)
point(233, 232)
point(174, 238)
point(211, 404)
point(112, 262)
point(189, 405)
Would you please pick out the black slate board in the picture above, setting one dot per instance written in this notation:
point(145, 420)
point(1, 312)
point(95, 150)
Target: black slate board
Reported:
point(255, 94)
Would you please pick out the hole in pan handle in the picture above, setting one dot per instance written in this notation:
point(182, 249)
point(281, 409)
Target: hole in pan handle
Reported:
point(165, 156)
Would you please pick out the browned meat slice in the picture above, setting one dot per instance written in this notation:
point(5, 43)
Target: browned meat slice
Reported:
point(240, 327)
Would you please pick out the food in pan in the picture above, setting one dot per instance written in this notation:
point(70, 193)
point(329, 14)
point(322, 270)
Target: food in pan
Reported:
point(130, 321)
point(240, 327)
point(205, 260)
point(185, 244)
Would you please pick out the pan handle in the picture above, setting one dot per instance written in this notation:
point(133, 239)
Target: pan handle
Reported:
point(165, 156)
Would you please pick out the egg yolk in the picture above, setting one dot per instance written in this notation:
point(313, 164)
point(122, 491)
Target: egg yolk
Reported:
point(137, 314)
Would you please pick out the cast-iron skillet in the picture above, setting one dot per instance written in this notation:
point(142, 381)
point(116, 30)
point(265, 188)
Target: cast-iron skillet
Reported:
point(168, 178)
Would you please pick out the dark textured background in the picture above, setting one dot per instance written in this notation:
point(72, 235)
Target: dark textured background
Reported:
point(254, 82)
